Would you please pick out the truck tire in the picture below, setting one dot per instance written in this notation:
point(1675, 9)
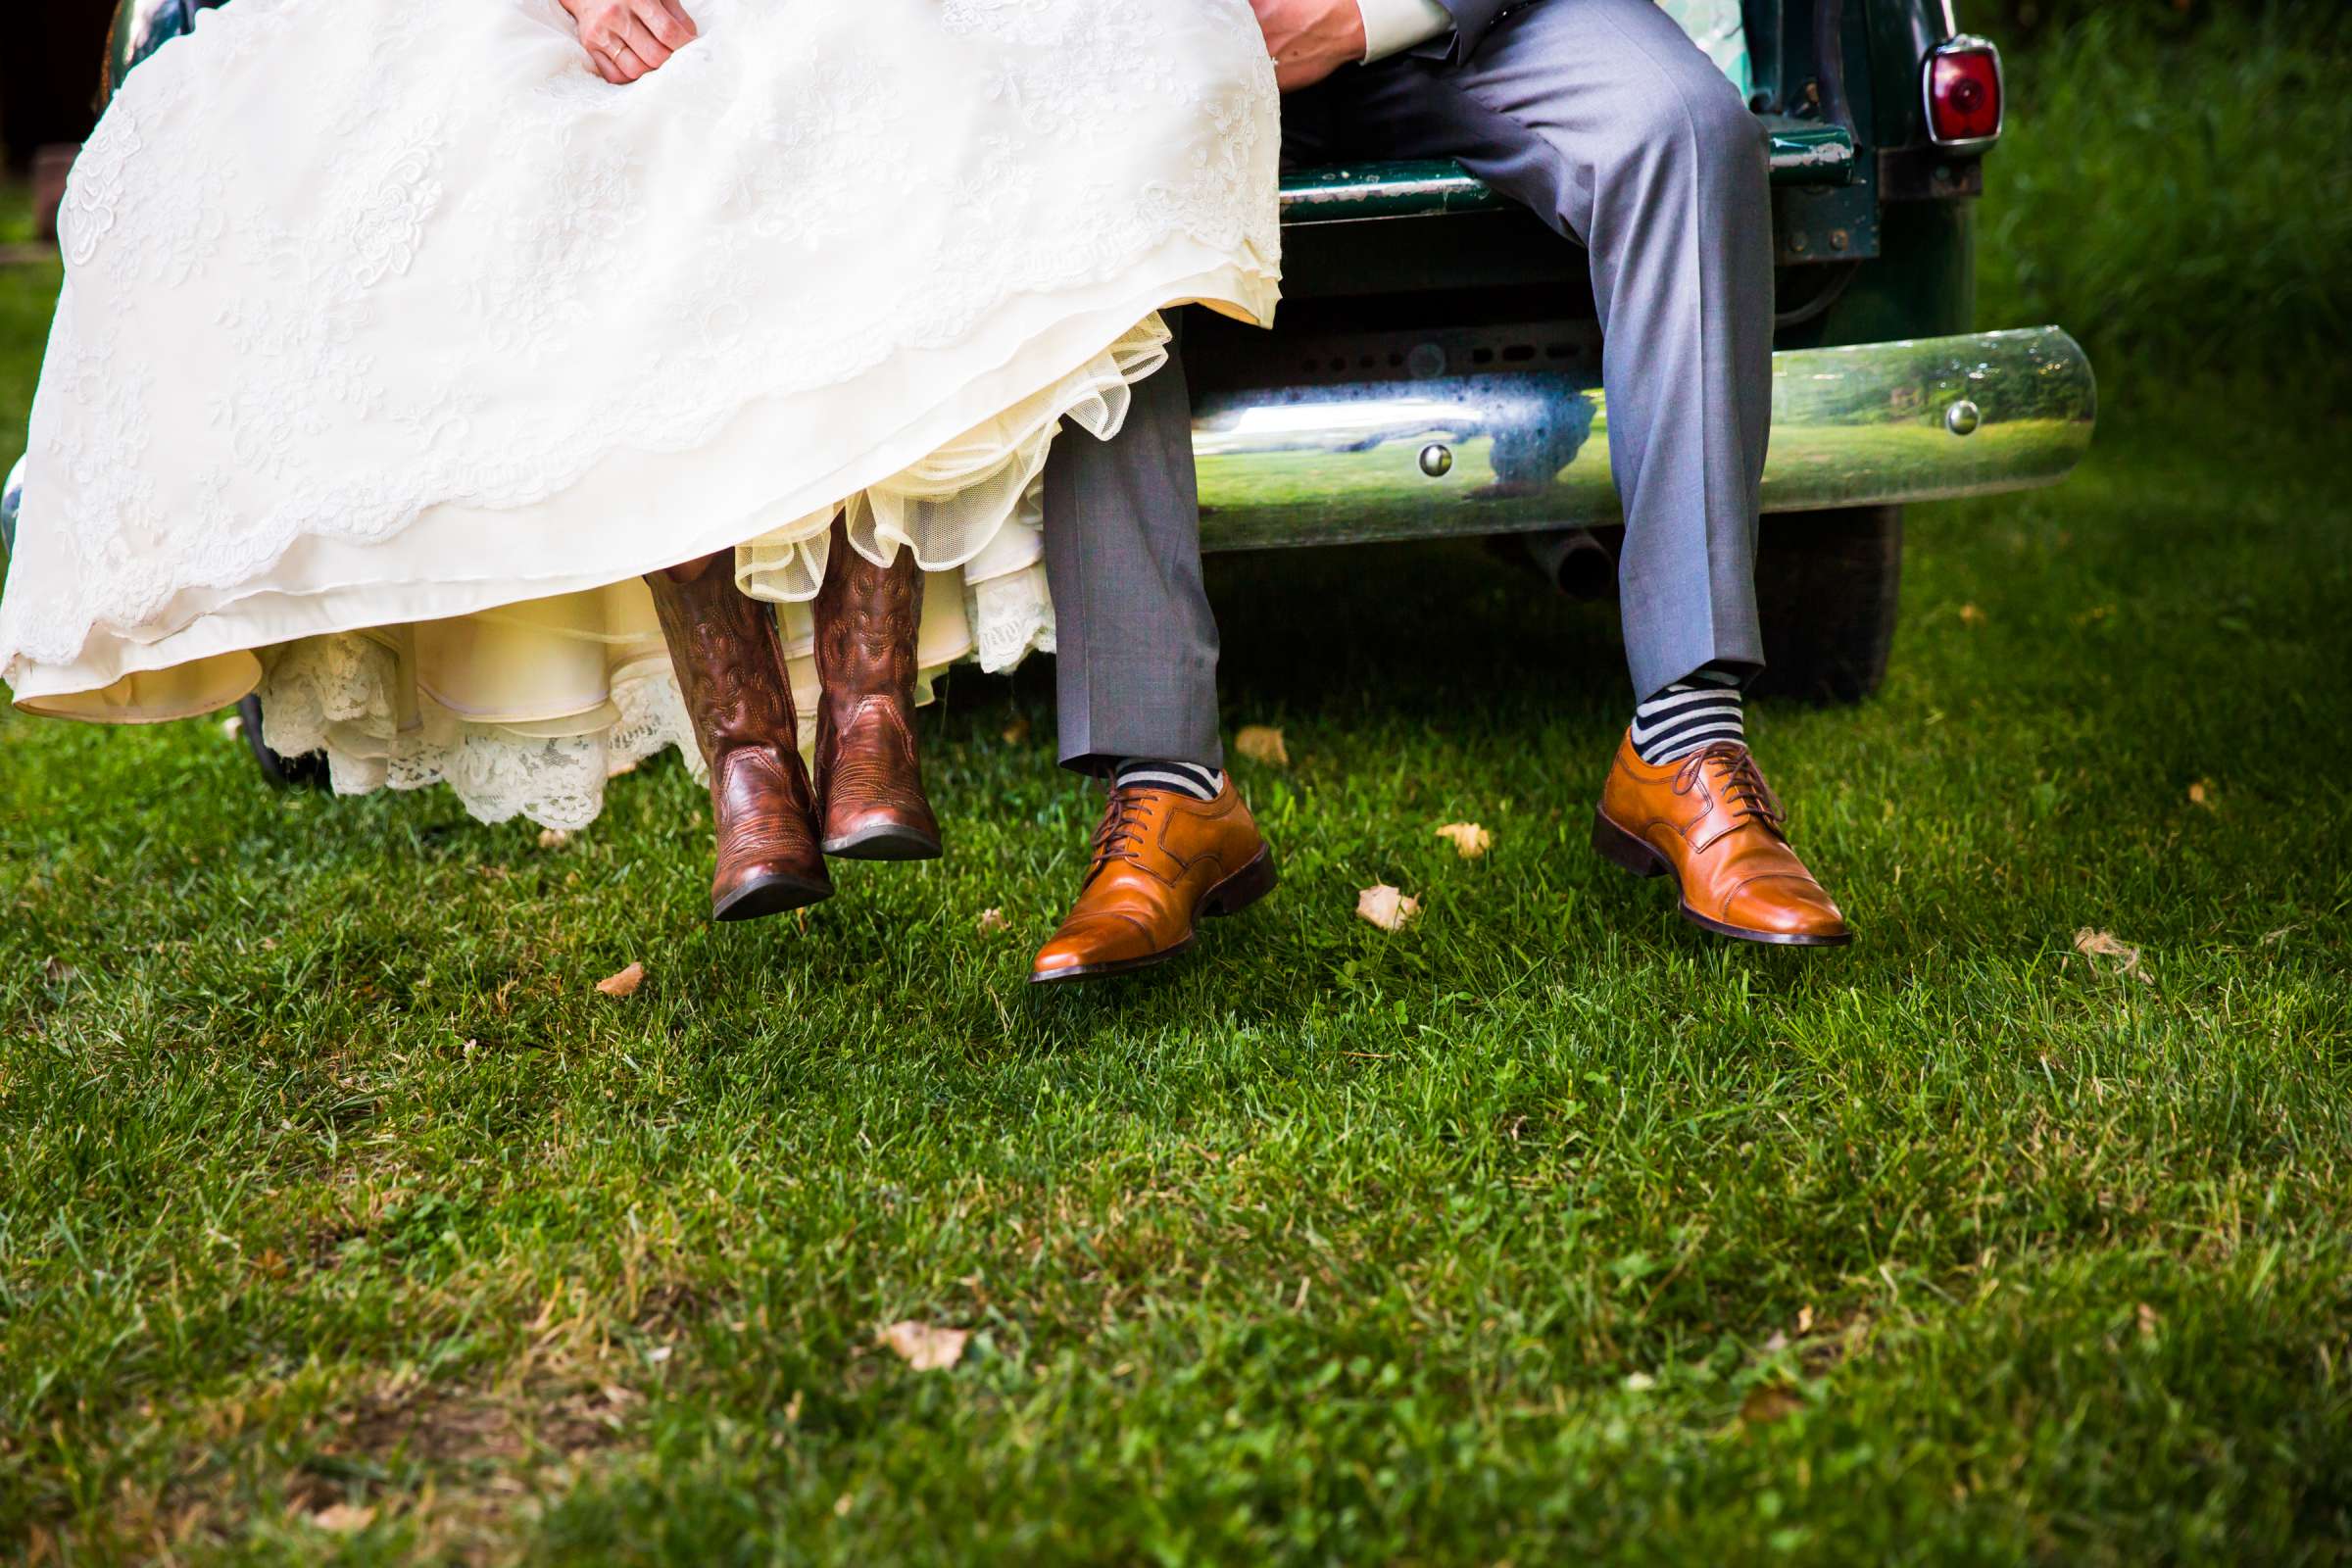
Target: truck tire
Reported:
point(284, 773)
point(1826, 589)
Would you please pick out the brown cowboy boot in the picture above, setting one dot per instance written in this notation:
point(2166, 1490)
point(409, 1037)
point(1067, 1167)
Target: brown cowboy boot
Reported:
point(868, 773)
point(730, 667)
point(1162, 859)
point(1710, 822)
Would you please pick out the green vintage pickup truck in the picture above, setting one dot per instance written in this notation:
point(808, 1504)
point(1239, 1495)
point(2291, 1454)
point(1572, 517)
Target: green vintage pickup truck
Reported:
point(1436, 368)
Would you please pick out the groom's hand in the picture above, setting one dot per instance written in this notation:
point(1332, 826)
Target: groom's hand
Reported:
point(626, 38)
point(1309, 39)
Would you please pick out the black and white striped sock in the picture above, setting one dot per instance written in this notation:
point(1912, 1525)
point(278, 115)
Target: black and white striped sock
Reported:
point(1184, 778)
point(1699, 710)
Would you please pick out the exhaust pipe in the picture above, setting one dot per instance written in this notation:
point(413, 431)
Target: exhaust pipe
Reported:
point(1575, 561)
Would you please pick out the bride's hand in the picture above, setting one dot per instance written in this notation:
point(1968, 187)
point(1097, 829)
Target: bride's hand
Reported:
point(626, 38)
point(1309, 39)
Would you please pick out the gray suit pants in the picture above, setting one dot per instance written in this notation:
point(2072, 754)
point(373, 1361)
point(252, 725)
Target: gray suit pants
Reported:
point(1607, 122)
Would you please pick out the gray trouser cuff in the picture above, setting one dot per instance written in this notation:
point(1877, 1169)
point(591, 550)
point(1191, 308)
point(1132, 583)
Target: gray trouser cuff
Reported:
point(1163, 708)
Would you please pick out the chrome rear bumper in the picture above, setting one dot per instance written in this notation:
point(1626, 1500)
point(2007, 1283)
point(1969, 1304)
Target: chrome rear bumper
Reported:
point(1918, 419)
point(1912, 420)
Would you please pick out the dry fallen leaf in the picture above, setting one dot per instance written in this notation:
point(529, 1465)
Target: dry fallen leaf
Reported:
point(1768, 1402)
point(1804, 1320)
point(924, 1347)
point(2147, 1320)
point(2103, 945)
point(1470, 841)
point(1971, 615)
point(344, 1518)
point(624, 984)
point(57, 971)
point(1385, 907)
point(2201, 794)
point(552, 838)
point(990, 923)
point(1016, 733)
point(1262, 743)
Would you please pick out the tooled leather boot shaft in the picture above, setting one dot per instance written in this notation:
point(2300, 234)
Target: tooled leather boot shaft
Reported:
point(730, 668)
point(868, 766)
point(729, 661)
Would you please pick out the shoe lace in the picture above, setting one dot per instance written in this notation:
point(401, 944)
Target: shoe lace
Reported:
point(1740, 786)
point(1120, 835)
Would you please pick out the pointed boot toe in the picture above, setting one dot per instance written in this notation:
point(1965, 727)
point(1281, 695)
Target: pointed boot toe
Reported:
point(768, 890)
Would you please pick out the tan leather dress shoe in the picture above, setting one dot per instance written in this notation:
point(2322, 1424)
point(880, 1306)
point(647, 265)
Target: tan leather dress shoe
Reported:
point(1162, 859)
point(869, 776)
point(1711, 822)
point(730, 667)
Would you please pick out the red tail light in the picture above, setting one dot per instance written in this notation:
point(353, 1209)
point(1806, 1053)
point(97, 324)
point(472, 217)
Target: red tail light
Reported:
point(1963, 81)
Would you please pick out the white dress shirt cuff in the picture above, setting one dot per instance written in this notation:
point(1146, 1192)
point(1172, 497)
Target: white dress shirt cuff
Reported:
point(1391, 27)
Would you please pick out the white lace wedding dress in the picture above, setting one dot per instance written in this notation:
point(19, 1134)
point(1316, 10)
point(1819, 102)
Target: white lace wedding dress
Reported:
point(395, 345)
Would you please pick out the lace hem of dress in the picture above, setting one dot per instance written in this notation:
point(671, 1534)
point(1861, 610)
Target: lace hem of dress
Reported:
point(970, 511)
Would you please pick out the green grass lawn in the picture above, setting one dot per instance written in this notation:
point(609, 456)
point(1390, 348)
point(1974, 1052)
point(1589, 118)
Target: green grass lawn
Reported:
point(15, 211)
point(340, 1212)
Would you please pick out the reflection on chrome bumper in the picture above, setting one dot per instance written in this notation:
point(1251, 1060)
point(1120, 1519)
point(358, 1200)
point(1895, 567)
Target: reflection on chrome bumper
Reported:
point(1920, 420)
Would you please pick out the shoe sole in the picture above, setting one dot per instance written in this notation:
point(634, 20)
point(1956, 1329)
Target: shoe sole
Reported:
point(1231, 896)
point(885, 841)
point(778, 892)
point(1629, 852)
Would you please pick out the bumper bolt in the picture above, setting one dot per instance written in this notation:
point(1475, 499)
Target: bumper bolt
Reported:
point(1436, 461)
point(1963, 417)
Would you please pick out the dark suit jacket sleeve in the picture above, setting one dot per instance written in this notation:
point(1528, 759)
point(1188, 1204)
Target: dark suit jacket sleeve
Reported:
point(1471, 20)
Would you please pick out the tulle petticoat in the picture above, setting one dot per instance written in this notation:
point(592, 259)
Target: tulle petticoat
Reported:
point(586, 676)
point(342, 406)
